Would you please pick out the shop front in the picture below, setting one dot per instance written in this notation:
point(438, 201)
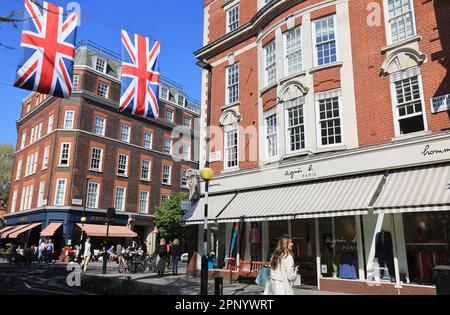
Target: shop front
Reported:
point(368, 222)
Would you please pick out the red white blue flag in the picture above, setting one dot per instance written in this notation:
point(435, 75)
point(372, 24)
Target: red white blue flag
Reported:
point(48, 50)
point(140, 75)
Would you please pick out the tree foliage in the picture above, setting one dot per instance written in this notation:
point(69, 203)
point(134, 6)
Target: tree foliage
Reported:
point(6, 165)
point(167, 216)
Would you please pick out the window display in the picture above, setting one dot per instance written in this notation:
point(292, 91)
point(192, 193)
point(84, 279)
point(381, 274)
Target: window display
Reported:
point(427, 243)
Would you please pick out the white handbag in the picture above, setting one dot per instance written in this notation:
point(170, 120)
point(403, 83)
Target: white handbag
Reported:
point(298, 281)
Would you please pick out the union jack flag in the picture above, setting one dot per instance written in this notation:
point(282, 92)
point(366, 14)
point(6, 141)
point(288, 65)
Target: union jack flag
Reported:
point(140, 75)
point(48, 49)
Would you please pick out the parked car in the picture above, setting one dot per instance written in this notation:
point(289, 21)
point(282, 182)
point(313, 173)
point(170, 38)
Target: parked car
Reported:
point(184, 257)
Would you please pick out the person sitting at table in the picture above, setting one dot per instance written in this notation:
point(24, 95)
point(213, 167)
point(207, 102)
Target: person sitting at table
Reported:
point(111, 253)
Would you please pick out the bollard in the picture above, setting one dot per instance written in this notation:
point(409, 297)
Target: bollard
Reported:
point(218, 286)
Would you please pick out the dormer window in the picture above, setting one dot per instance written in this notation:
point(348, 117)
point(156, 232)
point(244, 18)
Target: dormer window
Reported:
point(164, 93)
point(181, 100)
point(100, 64)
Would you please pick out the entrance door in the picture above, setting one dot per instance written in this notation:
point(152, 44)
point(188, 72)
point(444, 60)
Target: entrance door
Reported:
point(304, 250)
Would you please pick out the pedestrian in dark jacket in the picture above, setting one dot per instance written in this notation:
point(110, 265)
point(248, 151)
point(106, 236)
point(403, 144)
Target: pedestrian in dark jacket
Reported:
point(176, 255)
point(161, 260)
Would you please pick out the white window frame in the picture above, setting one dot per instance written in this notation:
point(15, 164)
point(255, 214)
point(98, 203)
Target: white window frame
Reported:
point(46, 157)
point(169, 182)
point(150, 140)
point(395, 103)
point(23, 141)
point(171, 145)
point(269, 66)
point(19, 169)
point(63, 193)
point(126, 165)
point(39, 131)
point(286, 59)
point(171, 118)
point(333, 94)
point(187, 180)
point(69, 124)
point(41, 193)
point(124, 198)
point(387, 19)
point(232, 72)
point(105, 64)
point(32, 135)
point(102, 127)
point(50, 123)
point(269, 114)
point(146, 200)
point(35, 160)
point(148, 176)
point(235, 126)
point(164, 93)
point(100, 163)
point(101, 90)
point(89, 195)
point(76, 77)
point(234, 11)
point(61, 155)
point(315, 44)
point(190, 121)
point(162, 197)
point(186, 152)
point(183, 100)
point(14, 201)
point(289, 105)
point(128, 133)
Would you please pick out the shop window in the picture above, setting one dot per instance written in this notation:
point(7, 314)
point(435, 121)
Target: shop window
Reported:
point(338, 247)
point(427, 237)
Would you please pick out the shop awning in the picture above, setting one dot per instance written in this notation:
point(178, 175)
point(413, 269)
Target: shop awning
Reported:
point(23, 230)
point(100, 230)
point(416, 189)
point(51, 229)
point(6, 228)
point(216, 204)
point(337, 197)
point(14, 229)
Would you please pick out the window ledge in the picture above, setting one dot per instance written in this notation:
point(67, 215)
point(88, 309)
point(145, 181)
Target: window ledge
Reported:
point(292, 76)
point(224, 107)
point(400, 44)
point(296, 153)
point(146, 180)
point(268, 88)
point(65, 166)
point(124, 176)
point(169, 185)
point(230, 170)
point(331, 148)
point(411, 135)
point(327, 66)
point(96, 171)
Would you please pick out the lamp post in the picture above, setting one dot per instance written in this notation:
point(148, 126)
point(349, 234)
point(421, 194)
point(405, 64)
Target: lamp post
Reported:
point(206, 174)
point(110, 213)
point(83, 218)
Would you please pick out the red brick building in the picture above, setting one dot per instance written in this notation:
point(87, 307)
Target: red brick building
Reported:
point(330, 122)
point(81, 151)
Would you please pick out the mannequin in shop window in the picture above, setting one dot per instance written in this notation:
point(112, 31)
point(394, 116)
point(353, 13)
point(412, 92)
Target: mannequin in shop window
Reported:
point(384, 251)
point(347, 269)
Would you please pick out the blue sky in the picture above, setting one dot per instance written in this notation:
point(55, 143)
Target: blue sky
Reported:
point(178, 24)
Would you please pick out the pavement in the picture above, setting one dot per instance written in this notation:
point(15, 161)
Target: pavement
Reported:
point(39, 280)
point(182, 285)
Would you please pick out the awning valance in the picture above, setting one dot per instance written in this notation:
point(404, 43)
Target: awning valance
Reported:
point(51, 229)
point(100, 230)
point(337, 197)
point(23, 230)
point(416, 190)
point(216, 204)
point(14, 229)
point(6, 228)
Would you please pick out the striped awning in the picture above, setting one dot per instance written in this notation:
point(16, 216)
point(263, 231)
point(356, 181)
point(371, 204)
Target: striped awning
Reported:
point(23, 230)
point(16, 228)
point(6, 228)
point(418, 189)
point(337, 197)
point(216, 204)
point(98, 230)
point(51, 229)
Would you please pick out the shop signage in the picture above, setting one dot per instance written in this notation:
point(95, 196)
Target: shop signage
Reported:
point(23, 219)
point(428, 150)
point(215, 156)
point(301, 172)
point(77, 202)
point(99, 219)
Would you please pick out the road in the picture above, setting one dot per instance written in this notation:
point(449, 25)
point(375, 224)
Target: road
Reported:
point(31, 280)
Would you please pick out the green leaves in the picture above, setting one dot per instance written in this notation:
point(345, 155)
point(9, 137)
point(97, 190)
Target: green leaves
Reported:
point(168, 215)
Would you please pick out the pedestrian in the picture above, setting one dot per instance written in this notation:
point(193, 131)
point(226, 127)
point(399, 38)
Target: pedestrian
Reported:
point(282, 273)
point(176, 255)
point(161, 260)
point(169, 256)
point(42, 249)
point(85, 254)
point(50, 250)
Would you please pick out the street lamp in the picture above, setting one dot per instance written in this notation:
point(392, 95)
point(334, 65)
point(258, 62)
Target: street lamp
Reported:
point(110, 213)
point(83, 218)
point(206, 174)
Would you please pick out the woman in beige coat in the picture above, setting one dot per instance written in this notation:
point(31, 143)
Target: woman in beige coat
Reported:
point(282, 273)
